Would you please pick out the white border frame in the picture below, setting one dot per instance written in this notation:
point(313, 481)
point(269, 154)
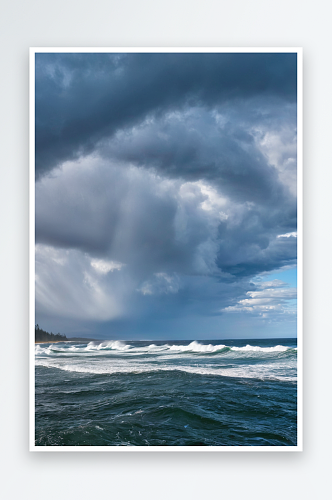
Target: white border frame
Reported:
point(299, 52)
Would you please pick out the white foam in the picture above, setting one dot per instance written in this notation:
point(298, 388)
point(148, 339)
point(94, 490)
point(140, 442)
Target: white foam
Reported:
point(250, 348)
point(38, 349)
point(112, 357)
point(107, 348)
point(197, 347)
point(262, 372)
point(111, 344)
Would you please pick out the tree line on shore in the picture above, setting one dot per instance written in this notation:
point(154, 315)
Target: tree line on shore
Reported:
point(42, 336)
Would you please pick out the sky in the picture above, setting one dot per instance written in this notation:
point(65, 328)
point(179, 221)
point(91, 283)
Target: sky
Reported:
point(166, 195)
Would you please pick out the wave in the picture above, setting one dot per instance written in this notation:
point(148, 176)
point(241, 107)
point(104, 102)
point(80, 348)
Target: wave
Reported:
point(266, 372)
point(203, 348)
point(276, 362)
point(250, 348)
point(116, 346)
point(197, 347)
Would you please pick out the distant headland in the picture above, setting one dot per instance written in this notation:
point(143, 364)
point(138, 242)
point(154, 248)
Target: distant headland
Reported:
point(42, 336)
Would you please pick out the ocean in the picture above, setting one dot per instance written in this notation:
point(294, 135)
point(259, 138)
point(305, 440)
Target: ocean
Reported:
point(175, 393)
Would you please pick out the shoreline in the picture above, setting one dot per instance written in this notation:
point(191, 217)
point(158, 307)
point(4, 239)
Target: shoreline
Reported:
point(77, 339)
point(49, 342)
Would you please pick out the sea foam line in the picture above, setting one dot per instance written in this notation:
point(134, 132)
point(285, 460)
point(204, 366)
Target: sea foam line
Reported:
point(261, 373)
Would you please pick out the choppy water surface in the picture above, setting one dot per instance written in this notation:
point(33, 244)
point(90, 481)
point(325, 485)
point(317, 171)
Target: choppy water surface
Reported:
point(217, 393)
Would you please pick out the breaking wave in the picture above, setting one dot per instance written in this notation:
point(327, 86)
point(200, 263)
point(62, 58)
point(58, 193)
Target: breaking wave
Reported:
point(116, 345)
point(193, 347)
point(276, 362)
point(262, 373)
point(250, 348)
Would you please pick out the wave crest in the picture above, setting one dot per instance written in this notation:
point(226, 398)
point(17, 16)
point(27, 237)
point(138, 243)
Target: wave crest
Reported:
point(251, 348)
point(257, 372)
point(115, 345)
point(197, 347)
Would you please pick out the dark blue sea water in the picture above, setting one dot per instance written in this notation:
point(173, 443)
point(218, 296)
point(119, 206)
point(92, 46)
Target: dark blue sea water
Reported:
point(186, 393)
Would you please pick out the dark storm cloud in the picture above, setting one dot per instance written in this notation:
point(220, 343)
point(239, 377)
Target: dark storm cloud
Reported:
point(200, 144)
point(82, 98)
point(255, 258)
point(155, 225)
point(128, 215)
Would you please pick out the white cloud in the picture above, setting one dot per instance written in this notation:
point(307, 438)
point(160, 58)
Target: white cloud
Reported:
point(271, 284)
point(106, 266)
point(279, 145)
point(271, 302)
point(288, 235)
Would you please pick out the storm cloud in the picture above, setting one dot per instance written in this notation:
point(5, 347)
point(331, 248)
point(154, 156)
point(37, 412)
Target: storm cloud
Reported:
point(82, 98)
point(165, 184)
